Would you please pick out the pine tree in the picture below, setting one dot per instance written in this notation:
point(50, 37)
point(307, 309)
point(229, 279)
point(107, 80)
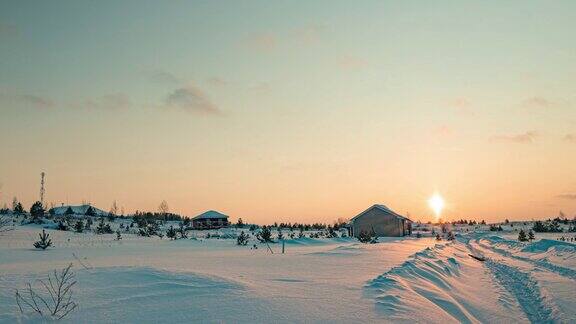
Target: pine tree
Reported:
point(242, 239)
point(62, 226)
point(69, 211)
point(522, 236)
point(171, 233)
point(44, 241)
point(182, 231)
point(89, 223)
point(37, 212)
point(265, 235)
point(79, 226)
point(118, 235)
point(103, 228)
point(531, 235)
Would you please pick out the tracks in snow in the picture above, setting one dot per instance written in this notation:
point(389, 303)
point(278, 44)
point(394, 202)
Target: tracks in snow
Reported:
point(526, 290)
point(519, 276)
point(562, 271)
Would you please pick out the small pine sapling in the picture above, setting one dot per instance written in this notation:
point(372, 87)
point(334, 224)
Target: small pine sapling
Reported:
point(44, 241)
point(522, 236)
point(242, 239)
point(531, 235)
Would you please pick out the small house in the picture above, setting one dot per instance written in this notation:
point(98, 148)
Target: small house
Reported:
point(381, 221)
point(210, 220)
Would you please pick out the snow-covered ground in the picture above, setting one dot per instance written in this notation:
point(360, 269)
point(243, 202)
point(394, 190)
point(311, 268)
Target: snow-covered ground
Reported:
point(411, 279)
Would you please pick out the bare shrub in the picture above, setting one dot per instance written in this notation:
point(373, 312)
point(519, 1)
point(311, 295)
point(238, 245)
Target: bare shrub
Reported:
point(56, 300)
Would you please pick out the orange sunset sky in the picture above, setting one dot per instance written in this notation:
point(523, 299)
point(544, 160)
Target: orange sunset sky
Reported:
point(292, 111)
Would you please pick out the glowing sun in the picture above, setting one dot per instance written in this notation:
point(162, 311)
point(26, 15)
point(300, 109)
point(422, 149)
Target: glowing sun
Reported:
point(436, 202)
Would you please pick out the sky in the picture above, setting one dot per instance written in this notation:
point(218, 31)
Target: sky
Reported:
point(295, 111)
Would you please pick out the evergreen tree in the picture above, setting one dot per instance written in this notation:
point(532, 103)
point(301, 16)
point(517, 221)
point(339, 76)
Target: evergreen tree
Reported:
point(171, 233)
point(62, 226)
point(79, 226)
point(182, 231)
point(103, 228)
point(242, 239)
point(522, 236)
point(539, 227)
point(240, 223)
point(44, 241)
point(89, 223)
point(118, 235)
point(37, 212)
point(265, 235)
point(367, 236)
point(531, 235)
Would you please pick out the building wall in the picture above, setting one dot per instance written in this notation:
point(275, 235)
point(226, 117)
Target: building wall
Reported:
point(382, 223)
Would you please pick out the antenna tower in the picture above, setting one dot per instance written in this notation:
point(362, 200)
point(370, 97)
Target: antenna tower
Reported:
point(42, 190)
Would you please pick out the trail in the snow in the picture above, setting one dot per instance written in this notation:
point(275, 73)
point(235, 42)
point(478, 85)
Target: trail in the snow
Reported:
point(525, 289)
point(563, 271)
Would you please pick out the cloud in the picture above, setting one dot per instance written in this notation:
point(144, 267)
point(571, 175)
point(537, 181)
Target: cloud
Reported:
point(7, 29)
point(309, 34)
point(262, 42)
point(114, 101)
point(537, 102)
point(462, 106)
point(443, 131)
point(216, 82)
point(164, 77)
point(524, 138)
point(570, 138)
point(567, 196)
point(348, 62)
point(192, 100)
point(27, 100)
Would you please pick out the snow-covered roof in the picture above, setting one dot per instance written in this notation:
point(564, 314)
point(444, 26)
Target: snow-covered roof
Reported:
point(211, 214)
point(78, 210)
point(383, 208)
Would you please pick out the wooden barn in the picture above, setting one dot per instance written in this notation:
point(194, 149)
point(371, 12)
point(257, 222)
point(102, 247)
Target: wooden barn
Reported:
point(382, 221)
point(209, 220)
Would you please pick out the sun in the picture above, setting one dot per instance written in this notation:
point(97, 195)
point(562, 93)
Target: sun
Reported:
point(436, 202)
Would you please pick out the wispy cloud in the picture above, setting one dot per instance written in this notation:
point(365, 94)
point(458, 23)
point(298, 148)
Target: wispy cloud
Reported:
point(309, 34)
point(349, 62)
point(461, 106)
point(523, 138)
point(192, 100)
point(114, 101)
point(7, 29)
point(443, 131)
point(537, 102)
point(27, 100)
point(262, 42)
point(569, 196)
point(216, 82)
point(570, 138)
point(164, 77)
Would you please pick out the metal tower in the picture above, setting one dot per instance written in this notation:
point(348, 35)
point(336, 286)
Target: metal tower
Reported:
point(42, 190)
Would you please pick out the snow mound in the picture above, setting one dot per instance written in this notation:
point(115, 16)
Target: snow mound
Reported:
point(545, 244)
point(145, 295)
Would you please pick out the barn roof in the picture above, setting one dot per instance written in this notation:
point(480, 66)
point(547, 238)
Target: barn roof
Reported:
point(382, 208)
point(211, 214)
